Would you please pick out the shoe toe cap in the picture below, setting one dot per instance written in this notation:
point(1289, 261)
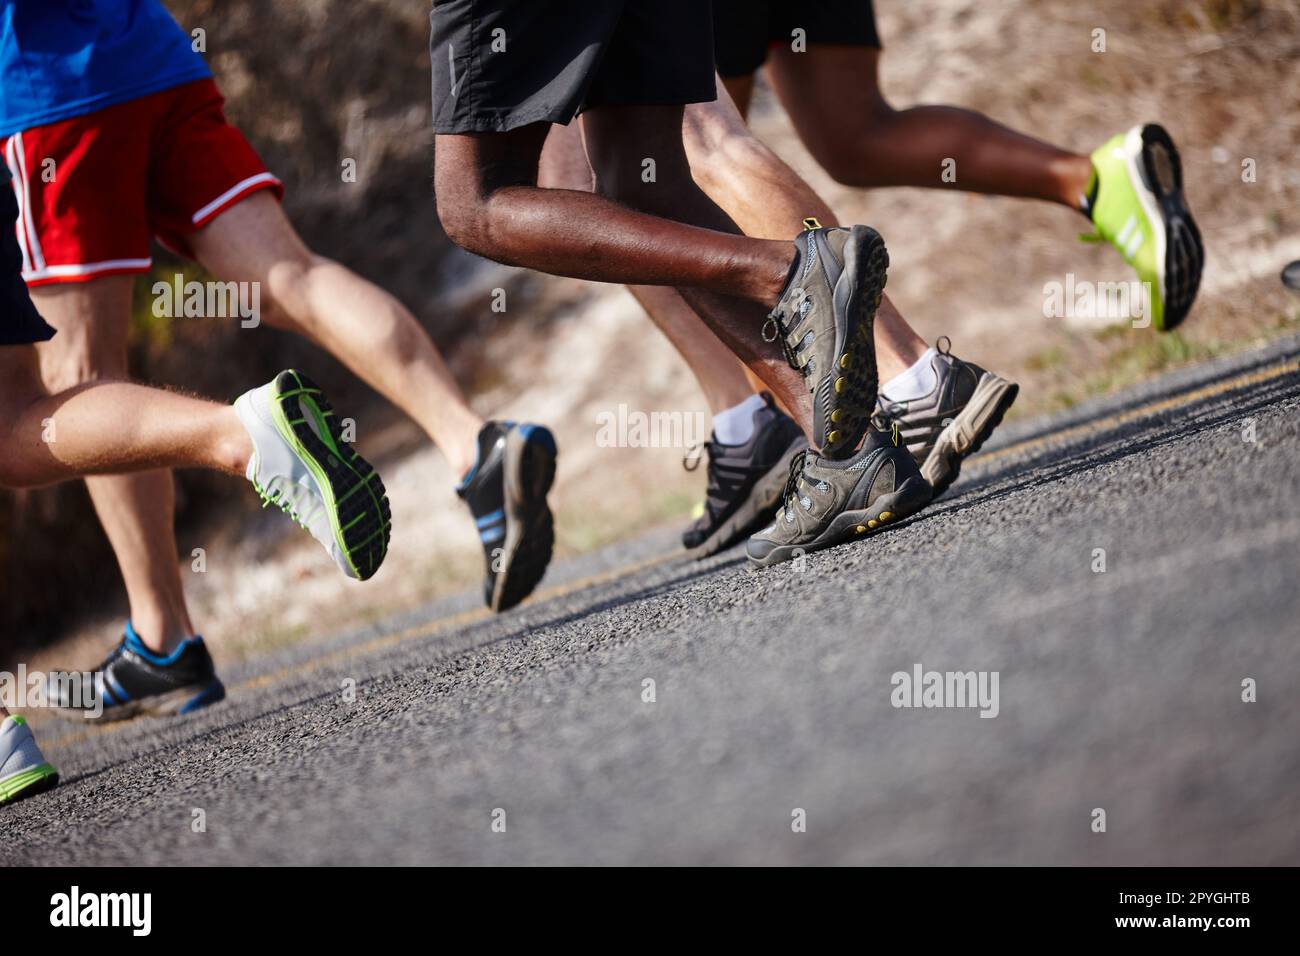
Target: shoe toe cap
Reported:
point(759, 547)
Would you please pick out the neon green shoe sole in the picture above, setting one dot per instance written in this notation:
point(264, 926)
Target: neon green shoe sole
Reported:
point(355, 499)
point(1140, 209)
point(27, 783)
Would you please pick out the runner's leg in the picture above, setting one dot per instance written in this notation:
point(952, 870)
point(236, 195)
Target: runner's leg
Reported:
point(767, 198)
point(721, 376)
point(618, 140)
point(106, 427)
point(363, 326)
point(136, 510)
point(489, 203)
point(833, 97)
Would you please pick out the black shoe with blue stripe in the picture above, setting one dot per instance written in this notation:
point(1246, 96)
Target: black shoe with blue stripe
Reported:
point(506, 493)
point(134, 680)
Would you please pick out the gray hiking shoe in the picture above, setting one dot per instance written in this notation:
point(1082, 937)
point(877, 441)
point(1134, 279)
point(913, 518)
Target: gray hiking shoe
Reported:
point(954, 420)
point(745, 482)
point(825, 319)
point(828, 502)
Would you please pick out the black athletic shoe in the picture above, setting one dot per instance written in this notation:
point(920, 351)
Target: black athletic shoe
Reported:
point(134, 680)
point(745, 482)
point(506, 493)
point(825, 319)
point(953, 421)
point(829, 502)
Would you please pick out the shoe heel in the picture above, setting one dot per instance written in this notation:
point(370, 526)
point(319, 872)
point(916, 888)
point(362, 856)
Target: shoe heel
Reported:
point(533, 453)
point(969, 431)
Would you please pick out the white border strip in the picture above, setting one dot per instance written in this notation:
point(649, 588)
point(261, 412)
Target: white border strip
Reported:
point(230, 193)
point(88, 269)
point(15, 183)
point(38, 254)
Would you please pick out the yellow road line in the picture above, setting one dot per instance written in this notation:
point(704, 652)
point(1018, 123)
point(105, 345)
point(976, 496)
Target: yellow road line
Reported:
point(1145, 411)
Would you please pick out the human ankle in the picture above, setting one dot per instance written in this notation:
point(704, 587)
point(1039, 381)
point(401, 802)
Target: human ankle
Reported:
point(1075, 175)
point(160, 633)
point(773, 272)
point(233, 446)
point(735, 425)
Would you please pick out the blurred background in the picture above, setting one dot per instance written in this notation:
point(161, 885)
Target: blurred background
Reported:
point(316, 82)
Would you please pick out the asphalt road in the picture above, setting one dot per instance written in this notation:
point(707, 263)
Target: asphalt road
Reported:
point(1120, 690)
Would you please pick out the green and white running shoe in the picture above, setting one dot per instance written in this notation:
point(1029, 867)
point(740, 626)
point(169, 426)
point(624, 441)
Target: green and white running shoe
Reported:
point(302, 465)
point(23, 769)
point(1136, 202)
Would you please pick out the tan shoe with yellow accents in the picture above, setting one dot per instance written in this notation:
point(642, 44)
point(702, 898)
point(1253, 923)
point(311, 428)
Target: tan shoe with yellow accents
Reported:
point(828, 502)
point(825, 321)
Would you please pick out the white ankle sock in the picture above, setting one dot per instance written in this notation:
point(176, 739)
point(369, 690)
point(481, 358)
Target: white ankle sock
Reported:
point(918, 380)
point(735, 426)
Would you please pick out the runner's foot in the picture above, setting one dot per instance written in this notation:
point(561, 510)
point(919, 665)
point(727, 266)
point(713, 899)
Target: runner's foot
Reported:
point(302, 465)
point(133, 680)
point(829, 502)
point(952, 420)
point(825, 319)
point(506, 493)
point(745, 482)
point(24, 772)
point(1138, 206)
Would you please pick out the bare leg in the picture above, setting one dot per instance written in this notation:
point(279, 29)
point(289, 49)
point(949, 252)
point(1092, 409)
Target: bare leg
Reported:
point(720, 374)
point(832, 94)
point(107, 427)
point(135, 510)
point(618, 140)
point(357, 322)
point(489, 203)
point(767, 198)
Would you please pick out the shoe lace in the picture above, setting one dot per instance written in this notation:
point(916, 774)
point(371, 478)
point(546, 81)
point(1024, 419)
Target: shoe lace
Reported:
point(778, 320)
point(694, 452)
point(294, 502)
point(791, 491)
point(716, 490)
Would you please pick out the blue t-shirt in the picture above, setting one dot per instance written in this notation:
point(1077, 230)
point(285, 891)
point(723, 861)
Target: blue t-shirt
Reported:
point(65, 58)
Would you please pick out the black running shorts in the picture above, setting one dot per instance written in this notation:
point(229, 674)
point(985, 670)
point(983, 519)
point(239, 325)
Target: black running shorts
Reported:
point(20, 323)
point(744, 29)
point(502, 64)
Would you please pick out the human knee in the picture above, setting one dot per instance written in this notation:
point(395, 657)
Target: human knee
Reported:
point(854, 156)
point(79, 356)
point(465, 195)
point(285, 299)
point(22, 387)
point(721, 157)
